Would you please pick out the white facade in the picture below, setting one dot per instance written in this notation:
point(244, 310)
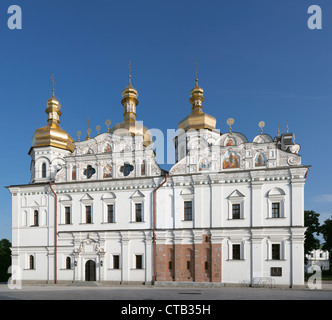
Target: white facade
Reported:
point(228, 212)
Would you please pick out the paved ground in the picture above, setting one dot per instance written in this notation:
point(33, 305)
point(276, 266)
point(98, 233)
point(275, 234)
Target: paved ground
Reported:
point(61, 292)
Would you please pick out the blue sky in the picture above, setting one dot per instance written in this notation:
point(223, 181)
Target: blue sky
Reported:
point(257, 61)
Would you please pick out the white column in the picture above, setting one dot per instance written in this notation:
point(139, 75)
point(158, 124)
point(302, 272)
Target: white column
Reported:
point(125, 263)
point(297, 200)
point(297, 261)
point(216, 206)
point(257, 254)
point(256, 204)
point(148, 257)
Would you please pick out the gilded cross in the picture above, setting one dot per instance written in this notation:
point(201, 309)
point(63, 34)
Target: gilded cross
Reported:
point(54, 83)
point(129, 65)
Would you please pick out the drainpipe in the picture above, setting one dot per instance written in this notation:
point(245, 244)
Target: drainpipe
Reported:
point(55, 232)
point(154, 231)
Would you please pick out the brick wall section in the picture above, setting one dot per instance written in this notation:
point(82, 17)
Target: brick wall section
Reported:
point(199, 262)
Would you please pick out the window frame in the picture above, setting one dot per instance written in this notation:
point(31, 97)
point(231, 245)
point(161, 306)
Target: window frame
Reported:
point(116, 264)
point(137, 198)
point(236, 197)
point(186, 216)
point(139, 263)
point(32, 264)
point(68, 263)
point(273, 213)
point(236, 215)
point(276, 195)
point(140, 204)
point(35, 218)
point(86, 213)
point(236, 246)
point(66, 214)
point(275, 254)
point(44, 170)
point(108, 205)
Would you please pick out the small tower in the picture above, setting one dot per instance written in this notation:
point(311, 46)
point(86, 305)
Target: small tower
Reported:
point(50, 144)
point(196, 122)
point(130, 126)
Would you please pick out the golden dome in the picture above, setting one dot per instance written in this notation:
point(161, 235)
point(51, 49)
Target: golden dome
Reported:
point(52, 134)
point(197, 119)
point(130, 126)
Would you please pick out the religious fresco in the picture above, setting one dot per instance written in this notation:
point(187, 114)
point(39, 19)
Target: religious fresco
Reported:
point(108, 148)
point(260, 160)
point(231, 160)
point(230, 142)
point(203, 164)
point(73, 173)
point(107, 171)
point(143, 168)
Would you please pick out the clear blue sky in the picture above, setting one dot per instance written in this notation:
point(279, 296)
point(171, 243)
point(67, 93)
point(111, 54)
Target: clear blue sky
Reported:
point(257, 60)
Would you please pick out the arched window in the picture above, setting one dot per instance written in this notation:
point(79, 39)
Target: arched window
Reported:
point(31, 262)
point(44, 170)
point(68, 263)
point(35, 218)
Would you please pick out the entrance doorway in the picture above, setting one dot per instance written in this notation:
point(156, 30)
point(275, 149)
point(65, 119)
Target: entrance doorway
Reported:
point(90, 271)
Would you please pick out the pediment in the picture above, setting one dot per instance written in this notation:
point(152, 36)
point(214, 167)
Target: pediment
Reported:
point(86, 197)
point(236, 194)
point(137, 194)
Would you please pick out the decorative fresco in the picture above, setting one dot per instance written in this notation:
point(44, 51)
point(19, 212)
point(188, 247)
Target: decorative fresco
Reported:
point(108, 148)
point(107, 171)
point(143, 168)
point(203, 164)
point(230, 142)
point(260, 160)
point(231, 160)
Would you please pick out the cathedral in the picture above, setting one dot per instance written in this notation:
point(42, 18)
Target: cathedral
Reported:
point(228, 212)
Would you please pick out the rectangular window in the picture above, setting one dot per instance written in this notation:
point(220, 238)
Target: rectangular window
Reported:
point(188, 215)
point(110, 213)
point(116, 262)
point(236, 252)
point(138, 212)
point(275, 251)
point(67, 215)
point(236, 211)
point(188, 265)
point(139, 262)
point(276, 210)
point(88, 214)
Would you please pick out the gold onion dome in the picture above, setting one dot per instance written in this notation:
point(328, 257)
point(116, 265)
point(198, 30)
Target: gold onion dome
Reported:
point(197, 119)
point(130, 126)
point(52, 134)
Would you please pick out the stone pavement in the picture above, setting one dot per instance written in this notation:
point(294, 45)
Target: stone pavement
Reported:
point(71, 292)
